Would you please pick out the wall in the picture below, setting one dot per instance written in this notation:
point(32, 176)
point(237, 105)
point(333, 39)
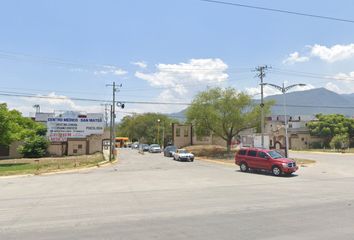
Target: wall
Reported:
point(95, 144)
point(57, 149)
point(182, 135)
point(77, 146)
point(12, 151)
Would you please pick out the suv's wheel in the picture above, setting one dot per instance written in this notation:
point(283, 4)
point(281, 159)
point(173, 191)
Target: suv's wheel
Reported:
point(276, 171)
point(243, 167)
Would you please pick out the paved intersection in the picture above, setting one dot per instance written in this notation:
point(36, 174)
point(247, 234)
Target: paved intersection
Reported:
point(152, 197)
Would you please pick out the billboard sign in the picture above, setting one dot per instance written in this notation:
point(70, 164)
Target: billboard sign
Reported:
point(59, 129)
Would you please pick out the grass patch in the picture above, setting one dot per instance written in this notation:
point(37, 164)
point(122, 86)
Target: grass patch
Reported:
point(211, 151)
point(45, 165)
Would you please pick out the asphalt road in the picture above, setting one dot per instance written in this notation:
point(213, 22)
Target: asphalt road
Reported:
point(153, 197)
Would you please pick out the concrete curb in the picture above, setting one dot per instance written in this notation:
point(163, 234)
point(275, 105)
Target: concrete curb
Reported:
point(328, 153)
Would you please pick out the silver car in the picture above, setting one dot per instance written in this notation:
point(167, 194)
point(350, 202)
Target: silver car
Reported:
point(155, 148)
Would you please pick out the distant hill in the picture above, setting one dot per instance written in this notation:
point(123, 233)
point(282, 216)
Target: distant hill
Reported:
point(180, 116)
point(314, 101)
point(349, 97)
point(308, 102)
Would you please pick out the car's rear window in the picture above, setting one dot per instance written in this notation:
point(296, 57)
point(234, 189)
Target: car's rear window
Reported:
point(252, 153)
point(242, 152)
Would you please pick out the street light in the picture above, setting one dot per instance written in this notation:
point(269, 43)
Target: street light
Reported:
point(284, 89)
point(158, 131)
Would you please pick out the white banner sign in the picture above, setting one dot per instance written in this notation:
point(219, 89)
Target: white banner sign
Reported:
point(59, 129)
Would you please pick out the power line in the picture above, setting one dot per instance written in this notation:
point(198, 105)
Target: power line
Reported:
point(158, 103)
point(314, 106)
point(56, 61)
point(280, 11)
point(312, 75)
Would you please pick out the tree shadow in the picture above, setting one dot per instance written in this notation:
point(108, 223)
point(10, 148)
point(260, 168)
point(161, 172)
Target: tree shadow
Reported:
point(268, 173)
point(12, 164)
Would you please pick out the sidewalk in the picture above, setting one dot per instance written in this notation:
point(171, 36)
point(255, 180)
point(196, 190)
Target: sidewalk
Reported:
point(106, 154)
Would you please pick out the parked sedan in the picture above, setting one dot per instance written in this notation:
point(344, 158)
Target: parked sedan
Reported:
point(169, 151)
point(183, 155)
point(155, 148)
point(144, 147)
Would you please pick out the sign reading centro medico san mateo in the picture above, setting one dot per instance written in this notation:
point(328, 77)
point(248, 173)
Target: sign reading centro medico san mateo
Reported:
point(59, 129)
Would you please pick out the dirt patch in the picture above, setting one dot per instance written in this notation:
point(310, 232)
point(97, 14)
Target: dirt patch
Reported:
point(211, 152)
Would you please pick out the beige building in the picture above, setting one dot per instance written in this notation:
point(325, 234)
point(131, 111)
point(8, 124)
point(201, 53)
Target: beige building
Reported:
point(79, 146)
point(183, 135)
point(298, 134)
point(274, 135)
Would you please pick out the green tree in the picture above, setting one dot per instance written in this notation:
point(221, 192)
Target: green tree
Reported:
point(145, 127)
point(15, 127)
point(5, 131)
point(327, 126)
point(34, 146)
point(225, 113)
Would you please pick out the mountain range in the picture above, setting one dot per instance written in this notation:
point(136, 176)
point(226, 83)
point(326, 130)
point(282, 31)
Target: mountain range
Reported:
point(313, 101)
point(308, 102)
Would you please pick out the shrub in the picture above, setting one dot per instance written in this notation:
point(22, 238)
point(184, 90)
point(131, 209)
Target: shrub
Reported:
point(316, 145)
point(339, 141)
point(34, 147)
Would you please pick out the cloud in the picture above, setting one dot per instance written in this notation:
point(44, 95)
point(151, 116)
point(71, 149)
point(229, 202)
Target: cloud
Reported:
point(328, 54)
point(51, 102)
point(345, 77)
point(140, 64)
point(344, 85)
point(113, 70)
point(334, 53)
point(334, 88)
point(295, 58)
point(177, 77)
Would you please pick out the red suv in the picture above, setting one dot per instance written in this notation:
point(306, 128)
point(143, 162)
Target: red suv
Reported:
point(270, 160)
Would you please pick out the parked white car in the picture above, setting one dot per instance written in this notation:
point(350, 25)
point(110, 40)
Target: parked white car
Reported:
point(183, 155)
point(155, 148)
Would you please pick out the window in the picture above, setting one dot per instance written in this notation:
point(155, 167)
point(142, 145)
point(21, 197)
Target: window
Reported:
point(252, 153)
point(242, 152)
point(74, 150)
point(275, 154)
point(262, 154)
point(178, 132)
point(185, 132)
point(79, 146)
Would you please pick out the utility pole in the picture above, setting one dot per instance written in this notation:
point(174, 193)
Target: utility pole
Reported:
point(106, 105)
point(113, 118)
point(261, 74)
point(110, 134)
